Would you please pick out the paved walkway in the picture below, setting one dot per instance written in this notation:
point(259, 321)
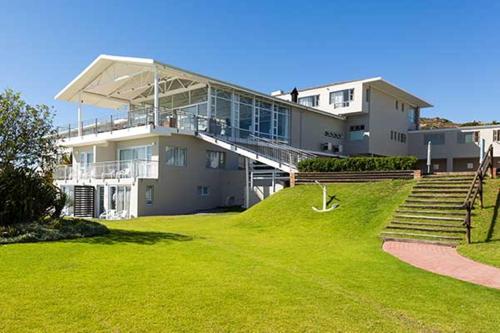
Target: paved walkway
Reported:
point(444, 260)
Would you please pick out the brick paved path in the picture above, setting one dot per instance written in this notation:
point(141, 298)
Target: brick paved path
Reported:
point(444, 260)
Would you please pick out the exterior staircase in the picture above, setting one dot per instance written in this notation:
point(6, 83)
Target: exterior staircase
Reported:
point(434, 212)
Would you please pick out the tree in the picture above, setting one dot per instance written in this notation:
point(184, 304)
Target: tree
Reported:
point(27, 134)
point(28, 154)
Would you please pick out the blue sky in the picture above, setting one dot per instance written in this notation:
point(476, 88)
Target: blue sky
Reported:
point(446, 52)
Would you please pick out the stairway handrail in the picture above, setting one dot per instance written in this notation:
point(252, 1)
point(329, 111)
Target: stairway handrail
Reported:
point(474, 190)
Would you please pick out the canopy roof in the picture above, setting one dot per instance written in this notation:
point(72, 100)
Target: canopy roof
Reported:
point(114, 81)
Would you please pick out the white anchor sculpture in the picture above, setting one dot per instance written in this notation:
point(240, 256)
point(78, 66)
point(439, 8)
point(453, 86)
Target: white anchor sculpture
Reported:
point(325, 203)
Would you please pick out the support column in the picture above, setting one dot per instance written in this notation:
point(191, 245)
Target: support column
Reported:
point(156, 98)
point(247, 186)
point(449, 164)
point(79, 116)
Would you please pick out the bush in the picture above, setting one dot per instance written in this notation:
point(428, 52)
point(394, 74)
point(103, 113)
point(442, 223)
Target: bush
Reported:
point(50, 230)
point(322, 164)
point(27, 196)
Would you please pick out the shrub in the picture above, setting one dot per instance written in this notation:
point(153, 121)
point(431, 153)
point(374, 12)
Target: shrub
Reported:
point(27, 197)
point(50, 230)
point(322, 164)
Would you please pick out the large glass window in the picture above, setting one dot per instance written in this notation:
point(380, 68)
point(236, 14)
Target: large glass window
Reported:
point(309, 100)
point(216, 159)
point(280, 130)
point(176, 156)
point(434, 138)
point(221, 106)
point(412, 118)
point(263, 118)
point(341, 98)
point(467, 137)
point(136, 153)
point(244, 114)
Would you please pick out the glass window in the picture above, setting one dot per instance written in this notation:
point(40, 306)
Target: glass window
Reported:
point(496, 135)
point(144, 153)
point(412, 118)
point(309, 100)
point(356, 133)
point(215, 159)
point(203, 191)
point(368, 93)
point(467, 137)
point(263, 117)
point(149, 195)
point(245, 115)
point(176, 156)
point(221, 105)
point(435, 138)
point(341, 98)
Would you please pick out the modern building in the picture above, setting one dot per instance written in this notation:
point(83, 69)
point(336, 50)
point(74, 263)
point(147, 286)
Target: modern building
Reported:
point(180, 142)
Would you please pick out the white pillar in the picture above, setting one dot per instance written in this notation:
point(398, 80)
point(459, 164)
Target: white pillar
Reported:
point(79, 116)
point(429, 160)
point(247, 187)
point(482, 144)
point(156, 99)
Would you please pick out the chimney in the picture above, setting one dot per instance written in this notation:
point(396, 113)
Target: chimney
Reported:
point(295, 95)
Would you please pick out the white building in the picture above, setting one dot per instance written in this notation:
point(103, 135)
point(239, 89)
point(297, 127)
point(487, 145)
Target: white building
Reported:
point(182, 142)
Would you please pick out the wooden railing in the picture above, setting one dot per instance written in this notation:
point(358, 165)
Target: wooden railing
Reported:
point(476, 188)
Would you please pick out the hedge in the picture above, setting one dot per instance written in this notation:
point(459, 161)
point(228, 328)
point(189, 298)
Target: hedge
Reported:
point(322, 164)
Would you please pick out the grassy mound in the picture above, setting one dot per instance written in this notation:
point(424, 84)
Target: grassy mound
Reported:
point(51, 230)
point(278, 267)
point(485, 245)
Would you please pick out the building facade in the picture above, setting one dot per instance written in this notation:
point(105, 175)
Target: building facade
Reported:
point(180, 142)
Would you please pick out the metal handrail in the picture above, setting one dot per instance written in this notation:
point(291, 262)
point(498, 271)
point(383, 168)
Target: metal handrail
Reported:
point(476, 188)
point(109, 170)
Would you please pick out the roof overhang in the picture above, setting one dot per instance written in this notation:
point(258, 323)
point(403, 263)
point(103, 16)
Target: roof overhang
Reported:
point(114, 82)
point(395, 91)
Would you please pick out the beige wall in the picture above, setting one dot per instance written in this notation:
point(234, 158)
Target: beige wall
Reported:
point(324, 97)
point(308, 129)
point(176, 190)
point(383, 118)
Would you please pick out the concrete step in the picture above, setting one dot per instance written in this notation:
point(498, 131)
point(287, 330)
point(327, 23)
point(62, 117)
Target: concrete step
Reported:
point(432, 212)
point(435, 201)
point(441, 186)
point(414, 240)
point(436, 196)
point(432, 229)
point(415, 235)
point(428, 224)
point(429, 206)
point(443, 191)
point(427, 217)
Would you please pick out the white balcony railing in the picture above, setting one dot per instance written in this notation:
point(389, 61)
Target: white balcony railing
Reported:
point(132, 169)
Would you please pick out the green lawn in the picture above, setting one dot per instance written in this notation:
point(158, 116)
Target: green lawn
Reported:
point(279, 267)
point(485, 245)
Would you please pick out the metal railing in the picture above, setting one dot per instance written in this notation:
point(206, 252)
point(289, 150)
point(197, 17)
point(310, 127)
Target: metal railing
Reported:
point(274, 147)
point(476, 188)
point(131, 169)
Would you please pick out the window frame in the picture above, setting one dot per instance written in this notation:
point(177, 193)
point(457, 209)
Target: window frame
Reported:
point(149, 201)
point(314, 99)
point(345, 102)
point(221, 159)
point(176, 150)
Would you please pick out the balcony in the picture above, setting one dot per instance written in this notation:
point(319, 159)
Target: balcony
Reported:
point(185, 118)
point(132, 169)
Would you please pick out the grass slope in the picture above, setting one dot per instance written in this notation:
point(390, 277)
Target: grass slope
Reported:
point(279, 267)
point(485, 245)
